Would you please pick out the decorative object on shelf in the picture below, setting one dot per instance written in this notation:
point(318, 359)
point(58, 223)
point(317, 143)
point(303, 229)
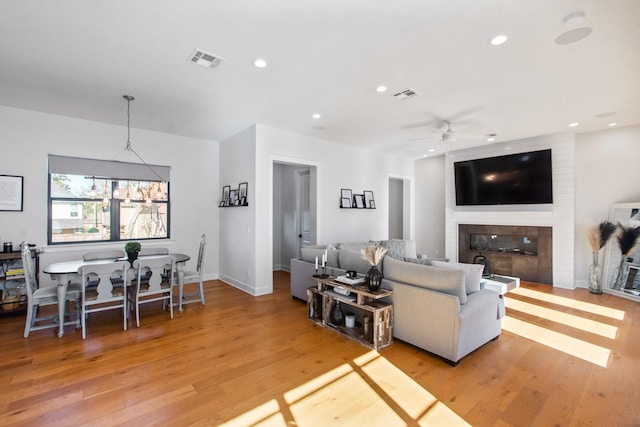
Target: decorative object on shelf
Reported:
point(356, 201)
point(627, 241)
point(345, 198)
point(235, 197)
point(369, 203)
point(323, 264)
point(598, 236)
point(373, 254)
point(366, 327)
point(350, 320)
point(11, 188)
point(226, 190)
point(243, 192)
point(337, 315)
point(132, 249)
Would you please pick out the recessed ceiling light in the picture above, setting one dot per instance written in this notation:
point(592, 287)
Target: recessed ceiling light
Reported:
point(431, 150)
point(260, 63)
point(498, 40)
point(381, 89)
point(316, 116)
point(491, 139)
point(574, 124)
point(612, 124)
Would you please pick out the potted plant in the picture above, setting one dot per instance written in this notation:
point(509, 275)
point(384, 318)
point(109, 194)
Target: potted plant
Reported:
point(132, 249)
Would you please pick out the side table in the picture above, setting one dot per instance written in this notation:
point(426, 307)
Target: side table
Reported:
point(362, 302)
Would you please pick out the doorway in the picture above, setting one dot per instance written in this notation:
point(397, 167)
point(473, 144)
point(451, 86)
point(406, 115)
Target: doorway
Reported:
point(399, 208)
point(294, 211)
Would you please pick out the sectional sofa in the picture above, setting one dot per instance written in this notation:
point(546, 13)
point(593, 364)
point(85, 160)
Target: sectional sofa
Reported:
point(438, 306)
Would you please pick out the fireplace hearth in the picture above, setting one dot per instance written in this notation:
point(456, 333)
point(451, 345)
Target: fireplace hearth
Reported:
point(520, 251)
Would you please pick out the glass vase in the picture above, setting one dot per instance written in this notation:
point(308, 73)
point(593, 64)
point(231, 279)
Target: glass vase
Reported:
point(595, 278)
point(620, 275)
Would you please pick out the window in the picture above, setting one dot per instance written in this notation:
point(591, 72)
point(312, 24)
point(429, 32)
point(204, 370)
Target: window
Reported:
point(97, 200)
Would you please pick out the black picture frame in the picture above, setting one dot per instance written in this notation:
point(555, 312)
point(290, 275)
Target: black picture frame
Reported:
point(11, 189)
point(358, 201)
point(345, 203)
point(345, 193)
point(225, 194)
point(369, 202)
point(243, 189)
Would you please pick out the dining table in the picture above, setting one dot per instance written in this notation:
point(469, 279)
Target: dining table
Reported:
point(63, 270)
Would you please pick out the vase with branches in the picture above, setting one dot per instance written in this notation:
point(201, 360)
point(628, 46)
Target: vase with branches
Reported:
point(373, 254)
point(627, 241)
point(598, 236)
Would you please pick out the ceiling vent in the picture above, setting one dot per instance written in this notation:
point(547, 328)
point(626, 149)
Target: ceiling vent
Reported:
point(405, 94)
point(205, 59)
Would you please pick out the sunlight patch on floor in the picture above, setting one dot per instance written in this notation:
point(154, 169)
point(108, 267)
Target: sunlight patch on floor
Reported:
point(571, 303)
point(574, 321)
point(569, 345)
point(369, 391)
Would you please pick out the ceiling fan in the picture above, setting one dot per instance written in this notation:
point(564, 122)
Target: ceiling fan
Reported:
point(447, 134)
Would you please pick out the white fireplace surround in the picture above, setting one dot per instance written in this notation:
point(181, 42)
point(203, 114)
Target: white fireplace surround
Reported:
point(559, 215)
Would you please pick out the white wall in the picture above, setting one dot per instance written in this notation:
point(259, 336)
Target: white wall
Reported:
point(430, 207)
point(237, 232)
point(337, 166)
point(607, 172)
point(27, 137)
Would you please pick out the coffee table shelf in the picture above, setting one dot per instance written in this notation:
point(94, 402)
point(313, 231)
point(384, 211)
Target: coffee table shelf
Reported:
point(366, 304)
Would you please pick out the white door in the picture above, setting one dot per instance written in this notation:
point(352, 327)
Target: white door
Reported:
point(303, 210)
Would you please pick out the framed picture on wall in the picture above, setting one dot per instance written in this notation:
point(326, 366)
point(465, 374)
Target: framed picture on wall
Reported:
point(225, 194)
point(368, 200)
point(11, 193)
point(242, 190)
point(358, 200)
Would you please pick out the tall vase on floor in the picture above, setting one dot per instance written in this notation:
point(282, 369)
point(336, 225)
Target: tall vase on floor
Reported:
point(595, 277)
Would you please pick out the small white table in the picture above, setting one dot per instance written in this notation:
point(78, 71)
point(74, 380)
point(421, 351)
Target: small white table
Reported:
point(60, 271)
point(500, 284)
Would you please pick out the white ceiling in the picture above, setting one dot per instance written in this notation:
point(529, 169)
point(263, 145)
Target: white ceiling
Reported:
point(78, 57)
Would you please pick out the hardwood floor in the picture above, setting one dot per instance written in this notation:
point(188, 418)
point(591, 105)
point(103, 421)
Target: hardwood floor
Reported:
point(565, 358)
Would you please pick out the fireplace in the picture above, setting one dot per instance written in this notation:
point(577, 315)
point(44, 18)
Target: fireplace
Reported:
point(520, 251)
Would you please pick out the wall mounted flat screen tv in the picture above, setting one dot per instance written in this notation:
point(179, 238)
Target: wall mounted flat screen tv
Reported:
point(514, 179)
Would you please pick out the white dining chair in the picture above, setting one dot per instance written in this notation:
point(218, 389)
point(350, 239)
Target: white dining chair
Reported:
point(155, 276)
point(191, 276)
point(103, 296)
point(40, 297)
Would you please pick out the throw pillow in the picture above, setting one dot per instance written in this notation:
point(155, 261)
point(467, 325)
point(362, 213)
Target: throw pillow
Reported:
point(423, 261)
point(472, 273)
point(399, 248)
point(352, 260)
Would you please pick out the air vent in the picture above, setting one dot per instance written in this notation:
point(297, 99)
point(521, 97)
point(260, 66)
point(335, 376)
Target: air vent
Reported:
point(205, 59)
point(405, 94)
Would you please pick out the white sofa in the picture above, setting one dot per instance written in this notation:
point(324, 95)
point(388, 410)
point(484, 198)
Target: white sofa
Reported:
point(439, 307)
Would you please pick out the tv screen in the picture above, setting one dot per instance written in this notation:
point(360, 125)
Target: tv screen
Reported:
point(514, 179)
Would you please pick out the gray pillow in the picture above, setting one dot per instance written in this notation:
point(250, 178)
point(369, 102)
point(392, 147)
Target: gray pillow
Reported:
point(423, 261)
point(436, 279)
point(352, 260)
point(472, 273)
point(399, 249)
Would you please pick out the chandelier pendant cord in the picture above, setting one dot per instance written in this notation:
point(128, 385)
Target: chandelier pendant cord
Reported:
point(128, 147)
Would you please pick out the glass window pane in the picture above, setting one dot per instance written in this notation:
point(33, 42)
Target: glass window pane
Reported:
point(93, 225)
point(143, 220)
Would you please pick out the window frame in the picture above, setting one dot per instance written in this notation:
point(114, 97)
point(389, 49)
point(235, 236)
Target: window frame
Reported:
point(115, 205)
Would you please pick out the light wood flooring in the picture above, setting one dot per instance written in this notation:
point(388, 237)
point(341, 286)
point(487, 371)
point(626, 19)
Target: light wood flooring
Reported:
point(565, 358)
